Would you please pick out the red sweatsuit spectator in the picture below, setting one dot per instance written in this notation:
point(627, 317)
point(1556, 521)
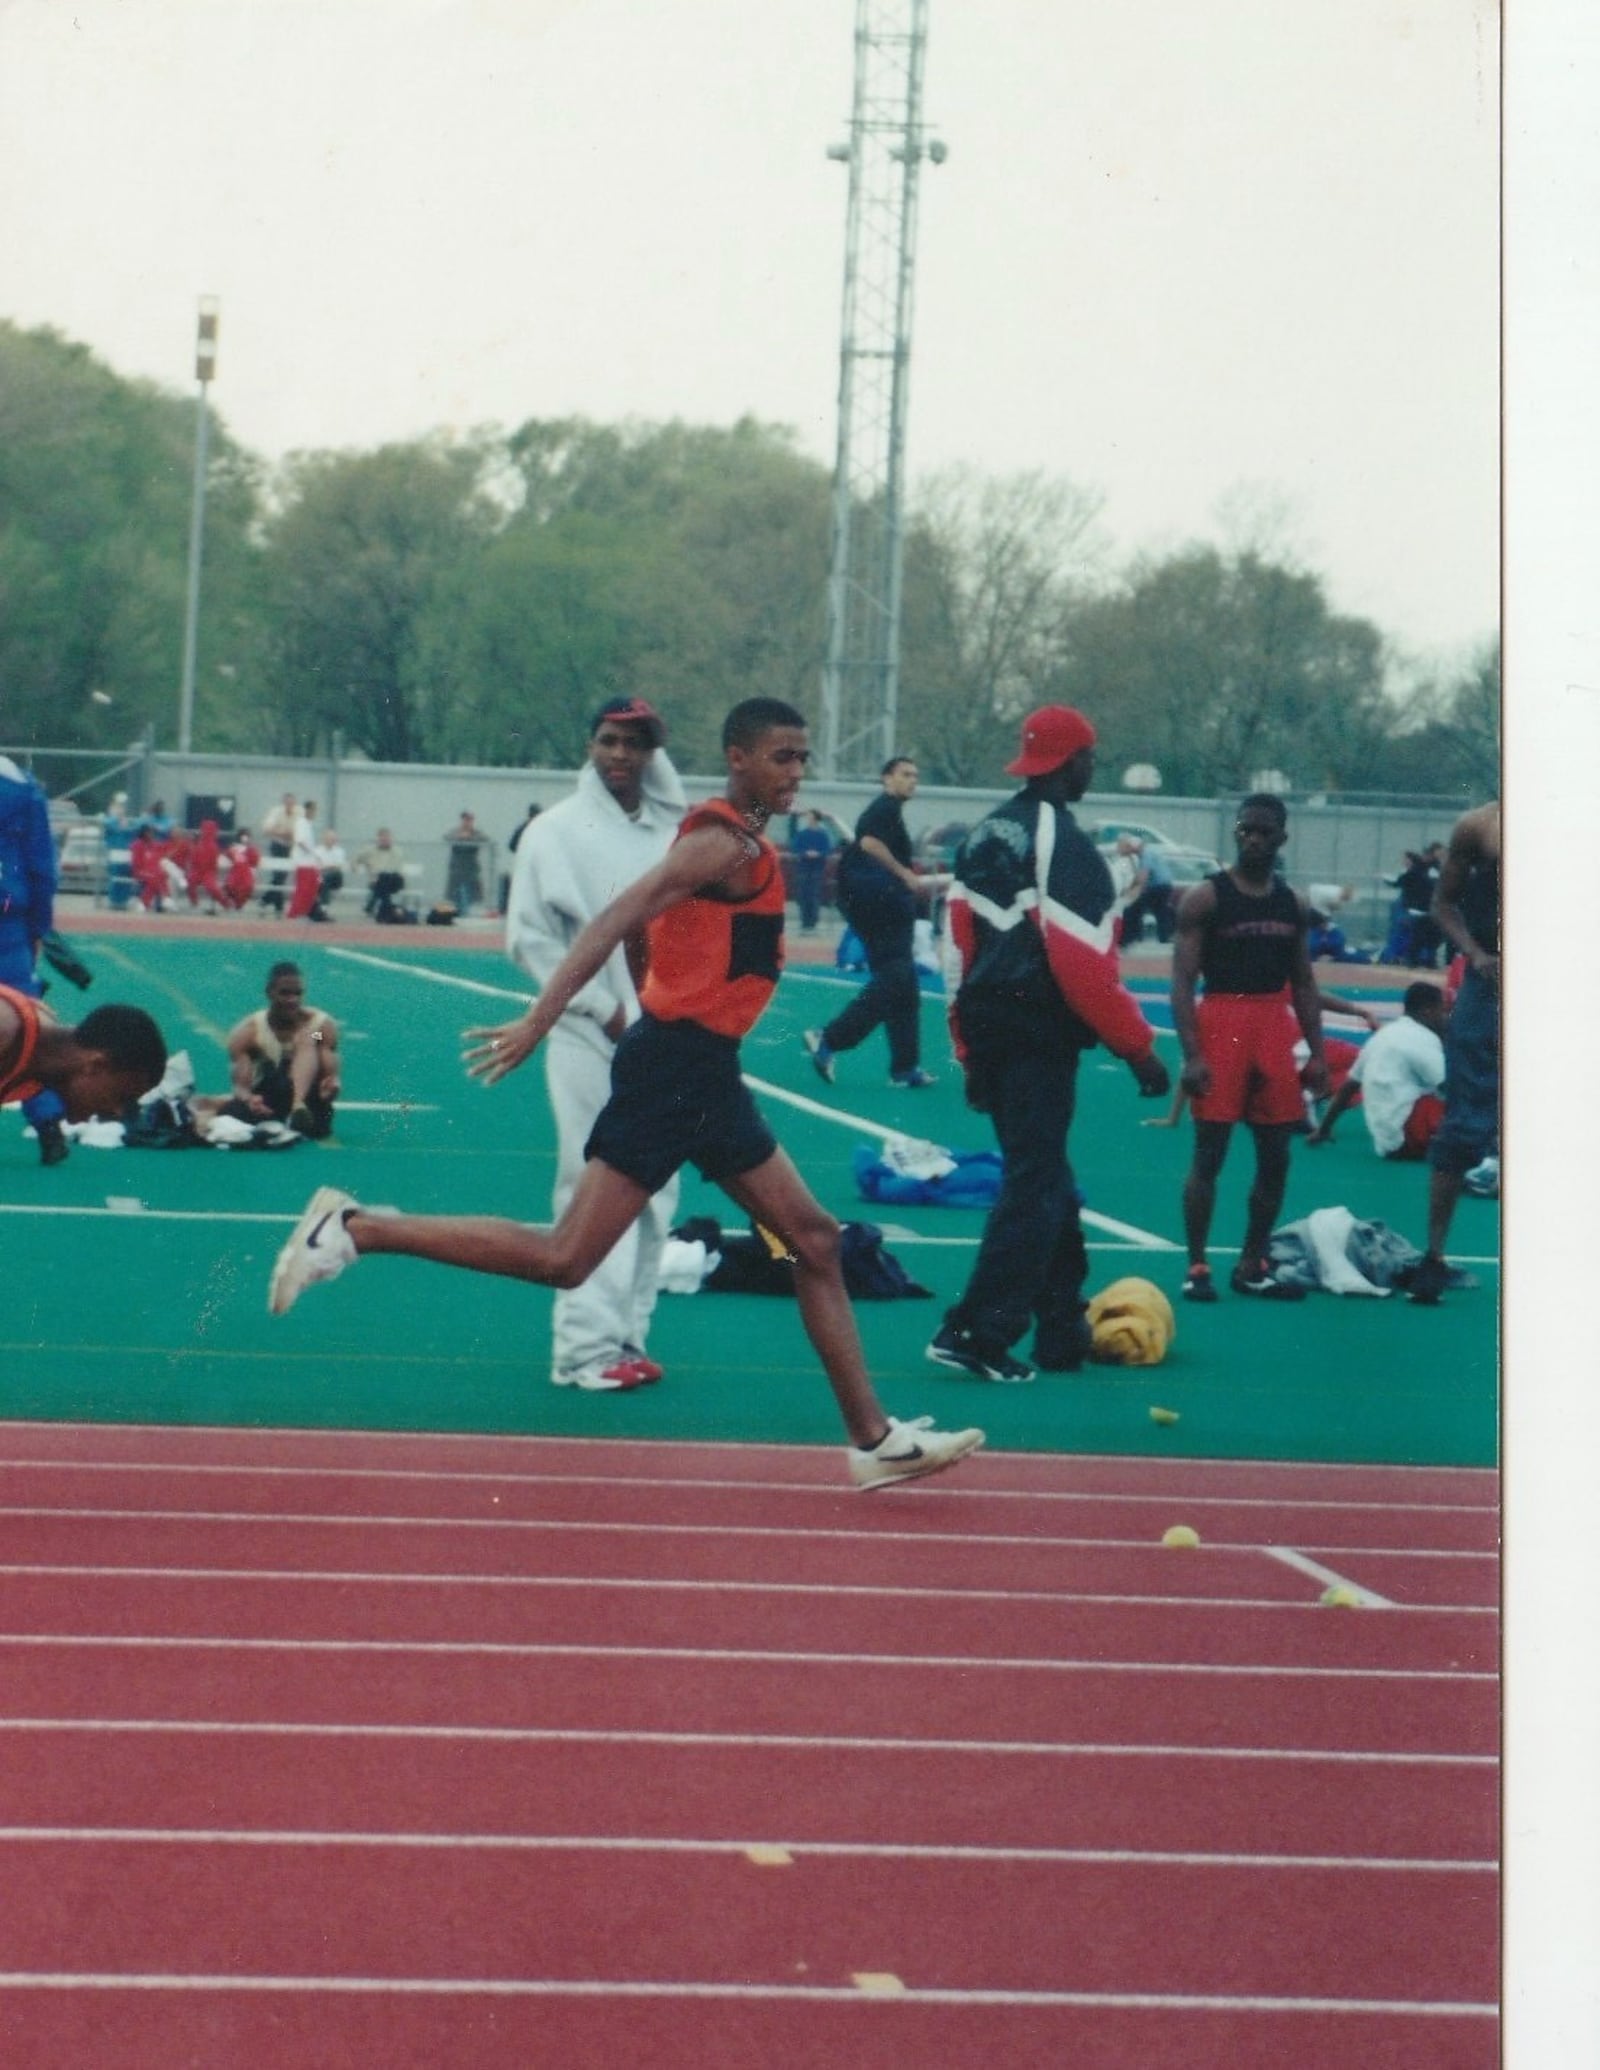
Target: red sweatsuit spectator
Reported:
point(205, 858)
point(240, 882)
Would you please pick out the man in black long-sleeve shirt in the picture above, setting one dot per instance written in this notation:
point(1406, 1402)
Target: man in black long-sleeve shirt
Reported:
point(878, 892)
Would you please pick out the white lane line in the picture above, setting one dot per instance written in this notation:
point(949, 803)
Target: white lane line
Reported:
point(648, 1483)
point(147, 1214)
point(1141, 1239)
point(534, 1441)
point(831, 1742)
point(719, 1656)
point(386, 1106)
point(377, 1106)
point(1368, 1598)
point(653, 1585)
point(1131, 1238)
point(353, 1521)
point(451, 978)
point(830, 1850)
point(784, 1994)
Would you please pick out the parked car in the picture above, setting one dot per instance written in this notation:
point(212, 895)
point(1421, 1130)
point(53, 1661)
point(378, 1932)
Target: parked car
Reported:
point(936, 847)
point(1187, 865)
point(80, 855)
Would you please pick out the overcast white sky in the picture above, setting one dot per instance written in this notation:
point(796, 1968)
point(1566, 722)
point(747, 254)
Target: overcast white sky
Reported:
point(1178, 245)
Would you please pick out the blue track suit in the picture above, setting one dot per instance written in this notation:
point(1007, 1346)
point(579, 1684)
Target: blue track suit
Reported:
point(27, 898)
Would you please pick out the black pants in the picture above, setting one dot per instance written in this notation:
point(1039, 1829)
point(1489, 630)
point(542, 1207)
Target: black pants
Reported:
point(1031, 1262)
point(1158, 901)
point(385, 888)
point(883, 914)
point(275, 892)
point(275, 1086)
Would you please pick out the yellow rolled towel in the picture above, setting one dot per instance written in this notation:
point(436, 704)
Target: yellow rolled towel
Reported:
point(1132, 1324)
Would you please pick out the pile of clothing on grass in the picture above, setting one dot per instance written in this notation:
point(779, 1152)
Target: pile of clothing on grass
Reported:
point(169, 1117)
point(701, 1256)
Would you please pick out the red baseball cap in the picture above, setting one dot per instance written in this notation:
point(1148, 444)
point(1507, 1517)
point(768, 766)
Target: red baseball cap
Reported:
point(1050, 736)
point(631, 711)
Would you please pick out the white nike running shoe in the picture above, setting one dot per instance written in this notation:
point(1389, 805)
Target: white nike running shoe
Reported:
point(320, 1248)
point(908, 1451)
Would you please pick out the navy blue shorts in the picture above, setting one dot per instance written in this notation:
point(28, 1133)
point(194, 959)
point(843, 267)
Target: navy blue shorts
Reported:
point(1471, 1125)
point(677, 1097)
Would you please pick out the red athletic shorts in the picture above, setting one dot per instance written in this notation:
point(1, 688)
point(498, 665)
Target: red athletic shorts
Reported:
point(1422, 1125)
point(1339, 1056)
point(1248, 1039)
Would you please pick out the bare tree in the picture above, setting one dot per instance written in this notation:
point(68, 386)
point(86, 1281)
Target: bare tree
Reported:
point(994, 565)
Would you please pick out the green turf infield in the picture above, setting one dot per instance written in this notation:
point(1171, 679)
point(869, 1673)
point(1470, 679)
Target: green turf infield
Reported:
point(156, 1312)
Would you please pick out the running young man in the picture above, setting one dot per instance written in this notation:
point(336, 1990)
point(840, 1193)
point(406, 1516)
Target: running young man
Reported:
point(713, 912)
point(1244, 931)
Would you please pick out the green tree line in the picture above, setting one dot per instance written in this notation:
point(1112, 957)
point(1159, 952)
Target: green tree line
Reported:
point(472, 600)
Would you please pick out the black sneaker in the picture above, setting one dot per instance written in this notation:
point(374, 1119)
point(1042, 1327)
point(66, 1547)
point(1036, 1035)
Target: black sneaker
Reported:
point(52, 1142)
point(1198, 1284)
point(1429, 1278)
point(962, 1352)
point(1063, 1349)
point(820, 1054)
point(913, 1080)
point(1258, 1279)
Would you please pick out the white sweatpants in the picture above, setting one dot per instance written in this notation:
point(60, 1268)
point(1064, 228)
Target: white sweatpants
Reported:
point(612, 1309)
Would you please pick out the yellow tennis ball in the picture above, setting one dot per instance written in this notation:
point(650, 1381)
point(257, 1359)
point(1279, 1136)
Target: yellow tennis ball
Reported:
point(1180, 1534)
point(1163, 1415)
point(1341, 1598)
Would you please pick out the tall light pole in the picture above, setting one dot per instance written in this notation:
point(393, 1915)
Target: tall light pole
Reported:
point(205, 367)
point(861, 675)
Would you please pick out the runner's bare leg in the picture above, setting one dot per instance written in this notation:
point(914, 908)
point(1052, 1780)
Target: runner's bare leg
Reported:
point(603, 1207)
point(781, 1201)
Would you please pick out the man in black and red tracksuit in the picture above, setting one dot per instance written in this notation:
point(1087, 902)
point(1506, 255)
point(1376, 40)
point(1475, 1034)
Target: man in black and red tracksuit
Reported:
point(1032, 916)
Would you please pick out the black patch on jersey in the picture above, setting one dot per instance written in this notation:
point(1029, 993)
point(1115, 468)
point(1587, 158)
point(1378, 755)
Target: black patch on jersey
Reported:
point(753, 945)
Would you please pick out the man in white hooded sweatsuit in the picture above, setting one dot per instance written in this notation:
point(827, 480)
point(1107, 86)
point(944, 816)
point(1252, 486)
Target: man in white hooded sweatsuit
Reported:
point(571, 861)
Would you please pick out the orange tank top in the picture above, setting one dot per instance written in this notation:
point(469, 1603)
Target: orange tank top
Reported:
point(15, 1084)
point(715, 959)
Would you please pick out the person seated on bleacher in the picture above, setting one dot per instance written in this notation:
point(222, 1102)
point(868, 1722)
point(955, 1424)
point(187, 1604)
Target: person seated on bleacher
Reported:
point(332, 862)
point(202, 869)
point(243, 859)
point(285, 1059)
point(384, 867)
point(147, 858)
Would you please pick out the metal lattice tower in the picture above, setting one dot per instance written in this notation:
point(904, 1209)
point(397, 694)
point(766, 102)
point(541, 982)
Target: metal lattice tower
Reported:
point(861, 677)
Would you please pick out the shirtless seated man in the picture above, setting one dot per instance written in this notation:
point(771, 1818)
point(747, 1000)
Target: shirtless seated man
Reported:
point(284, 1060)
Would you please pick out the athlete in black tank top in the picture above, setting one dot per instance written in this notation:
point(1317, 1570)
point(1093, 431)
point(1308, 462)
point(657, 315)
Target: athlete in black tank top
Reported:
point(1250, 944)
point(1244, 931)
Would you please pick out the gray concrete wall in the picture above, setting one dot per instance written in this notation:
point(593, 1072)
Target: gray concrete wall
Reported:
point(1330, 841)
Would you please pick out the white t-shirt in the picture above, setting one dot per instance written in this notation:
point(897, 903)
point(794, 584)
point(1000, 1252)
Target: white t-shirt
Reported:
point(1397, 1065)
point(303, 843)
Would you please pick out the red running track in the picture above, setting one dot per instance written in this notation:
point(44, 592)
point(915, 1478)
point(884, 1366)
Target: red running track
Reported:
point(351, 1749)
